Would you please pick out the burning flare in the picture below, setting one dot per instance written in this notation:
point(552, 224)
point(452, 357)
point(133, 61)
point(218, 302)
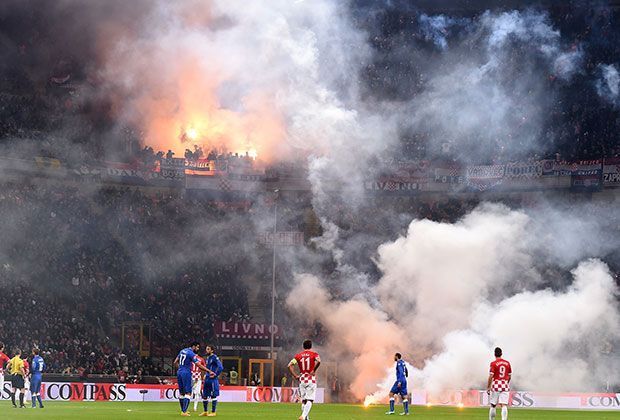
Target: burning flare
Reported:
point(179, 93)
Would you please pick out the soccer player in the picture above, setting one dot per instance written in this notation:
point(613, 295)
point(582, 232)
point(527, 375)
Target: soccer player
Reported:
point(4, 359)
point(211, 387)
point(308, 362)
point(498, 385)
point(16, 369)
point(38, 366)
point(400, 386)
point(26, 379)
point(197, 377)
point(184, 361)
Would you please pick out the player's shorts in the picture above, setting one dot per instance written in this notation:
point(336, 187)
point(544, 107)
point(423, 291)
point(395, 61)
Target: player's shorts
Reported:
point(211, 388)
point(17, 382)
point(497, 397)
point(402, 390)
point(197, 387)
point(35, 384)
point(307, 391)
point(184, 381)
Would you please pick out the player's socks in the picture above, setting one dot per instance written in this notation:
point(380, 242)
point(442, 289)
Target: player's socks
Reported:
point(205, 405)
point(21, 399)
point(406, 405)
point(213, 405)
point(40, 401)
point(492, 413)
point(13, 399)
point(392, 405)
point(307, 409)
point(34, 401)
point(504, 413)
point(181, 402)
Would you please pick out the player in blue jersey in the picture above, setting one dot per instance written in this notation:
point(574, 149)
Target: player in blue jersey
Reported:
point(400, 386)
point(184, 362)
point(211, 387)
point(36, 370)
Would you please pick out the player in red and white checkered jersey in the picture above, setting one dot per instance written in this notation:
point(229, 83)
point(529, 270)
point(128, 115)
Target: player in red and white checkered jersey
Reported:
point(498, 386)
point(26, 380)
point(308, 362)
point(197, 378)
point(4, 359)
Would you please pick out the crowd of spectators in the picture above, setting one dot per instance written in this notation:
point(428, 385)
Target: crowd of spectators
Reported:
point(59, 99)
point(76, 266)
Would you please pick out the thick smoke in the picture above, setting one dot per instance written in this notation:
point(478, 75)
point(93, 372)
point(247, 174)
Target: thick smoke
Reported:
point(274, 80)
point(299, 78)
point(449, 293)
point(490, 92)
point(608, 84)
point(437, 28)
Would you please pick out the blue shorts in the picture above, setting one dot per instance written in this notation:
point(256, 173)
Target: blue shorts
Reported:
point(35, 384)
point(211, 388)
point(400, 391)
point(184, 380)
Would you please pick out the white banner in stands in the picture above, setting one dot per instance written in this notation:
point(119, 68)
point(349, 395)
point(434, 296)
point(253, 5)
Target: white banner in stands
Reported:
point(611, 172)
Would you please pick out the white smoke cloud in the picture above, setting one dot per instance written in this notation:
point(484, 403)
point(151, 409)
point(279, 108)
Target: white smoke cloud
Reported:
point(450, 293)
point(553, 339)
point(452, 267)
point(608, 84)
point(280, 77)
point(488, 91)
point(437, 28)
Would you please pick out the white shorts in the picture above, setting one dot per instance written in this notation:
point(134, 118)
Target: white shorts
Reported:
point(307, 391)
point(499, 397)
point(197, 387)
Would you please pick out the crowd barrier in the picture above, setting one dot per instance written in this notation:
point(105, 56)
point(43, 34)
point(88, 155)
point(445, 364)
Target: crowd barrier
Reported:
point(522, 399)
point(76, 391)
point(79, 391)
point(396, 179)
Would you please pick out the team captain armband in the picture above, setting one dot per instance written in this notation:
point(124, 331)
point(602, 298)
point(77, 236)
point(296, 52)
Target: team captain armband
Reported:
point(292, 362)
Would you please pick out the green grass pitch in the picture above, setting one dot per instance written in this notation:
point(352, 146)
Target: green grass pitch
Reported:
point(156, 410)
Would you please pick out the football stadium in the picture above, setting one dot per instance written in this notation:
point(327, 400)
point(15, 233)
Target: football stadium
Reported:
point(310, 209)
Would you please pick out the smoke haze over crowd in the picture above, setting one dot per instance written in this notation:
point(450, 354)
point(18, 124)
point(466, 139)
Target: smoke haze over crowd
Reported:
point(348, 89)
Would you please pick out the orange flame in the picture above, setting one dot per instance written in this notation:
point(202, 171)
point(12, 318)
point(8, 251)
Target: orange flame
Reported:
point(175, 96)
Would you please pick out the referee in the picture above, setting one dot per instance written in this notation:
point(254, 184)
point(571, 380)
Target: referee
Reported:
point(16, 368)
